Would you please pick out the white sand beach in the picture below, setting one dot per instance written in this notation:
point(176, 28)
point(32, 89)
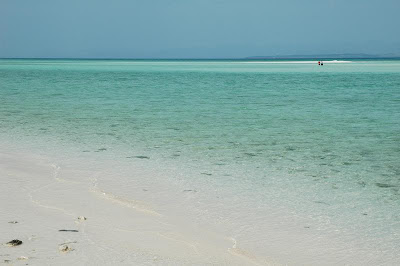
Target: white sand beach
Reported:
point(63, 217)
point(70, 222)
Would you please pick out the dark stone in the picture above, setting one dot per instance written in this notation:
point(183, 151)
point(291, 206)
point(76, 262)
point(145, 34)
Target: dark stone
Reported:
point(66, 230)
point(382, 185)
point(142, 157)
point(14, 243)
point(205, 173)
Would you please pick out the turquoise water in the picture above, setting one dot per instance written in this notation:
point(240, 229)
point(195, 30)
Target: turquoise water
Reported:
point(322, 141)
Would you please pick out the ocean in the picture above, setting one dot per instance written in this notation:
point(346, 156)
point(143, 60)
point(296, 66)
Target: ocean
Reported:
point(258, 149)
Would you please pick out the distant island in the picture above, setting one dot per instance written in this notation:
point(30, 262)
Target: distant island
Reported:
point(328, 56)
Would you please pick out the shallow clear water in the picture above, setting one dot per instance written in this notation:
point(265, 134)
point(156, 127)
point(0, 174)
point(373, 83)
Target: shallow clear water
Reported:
point(322, 141)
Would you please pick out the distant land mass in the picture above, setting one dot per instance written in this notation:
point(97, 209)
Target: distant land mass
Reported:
point(328, 56)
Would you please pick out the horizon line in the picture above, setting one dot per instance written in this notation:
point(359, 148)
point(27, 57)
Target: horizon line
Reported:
point(278, 57)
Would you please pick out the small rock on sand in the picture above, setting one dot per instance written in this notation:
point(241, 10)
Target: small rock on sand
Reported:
point(82, 218)
point(65, 248)
point(14, 243)
point(22, 258)
point(190, 190)
point(142, 157)
point(13, 222)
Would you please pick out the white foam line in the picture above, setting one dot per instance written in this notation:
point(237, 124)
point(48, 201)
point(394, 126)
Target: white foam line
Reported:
point(295, 62)
point(55, 174)
point(121, 201)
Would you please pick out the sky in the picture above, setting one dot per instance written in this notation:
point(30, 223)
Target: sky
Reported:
point(196, 29)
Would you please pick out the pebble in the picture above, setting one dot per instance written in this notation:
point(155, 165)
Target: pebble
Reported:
point(82, 218)
point(14, 243)
point(65, 248)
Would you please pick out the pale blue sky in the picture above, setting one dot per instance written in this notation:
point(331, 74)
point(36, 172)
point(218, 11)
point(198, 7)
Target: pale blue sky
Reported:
point(196, 29)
